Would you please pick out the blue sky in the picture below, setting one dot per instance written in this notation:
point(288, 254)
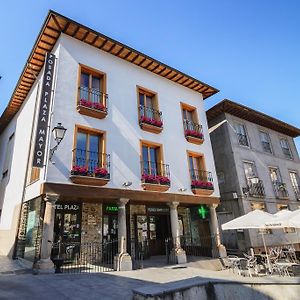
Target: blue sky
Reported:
point(250, 50)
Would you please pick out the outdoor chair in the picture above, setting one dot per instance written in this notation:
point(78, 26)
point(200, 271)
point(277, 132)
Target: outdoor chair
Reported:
point(227, 263)
point(244, 267)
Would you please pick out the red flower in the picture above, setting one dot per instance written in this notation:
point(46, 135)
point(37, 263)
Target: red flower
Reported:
point(80, 169)
point(193, 133)
point(98, 106)
point(202, 184)
point(151, 121)
point(86, 103)
point(100, 171)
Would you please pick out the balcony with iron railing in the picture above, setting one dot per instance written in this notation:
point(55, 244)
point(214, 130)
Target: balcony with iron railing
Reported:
point(201, 182)
point(92, 102)
point(242, 139)
point(90, 168)
point(255, 187)
point(150, 119)
point(155, 176)
point(193, 132)
point(280, 190)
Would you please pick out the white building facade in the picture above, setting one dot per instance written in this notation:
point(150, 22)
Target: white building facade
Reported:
point(136, 161)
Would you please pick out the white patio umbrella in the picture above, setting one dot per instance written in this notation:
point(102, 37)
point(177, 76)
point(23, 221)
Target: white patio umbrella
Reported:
point(255, 219)
point(285, 218)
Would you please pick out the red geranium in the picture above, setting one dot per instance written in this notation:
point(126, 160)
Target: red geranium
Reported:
point(100, 171)
point(194, 133)
point(151, 121)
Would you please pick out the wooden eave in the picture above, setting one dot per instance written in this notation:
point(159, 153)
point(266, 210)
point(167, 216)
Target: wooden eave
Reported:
point(93, 193)
point(251, 115)
point(54, 25)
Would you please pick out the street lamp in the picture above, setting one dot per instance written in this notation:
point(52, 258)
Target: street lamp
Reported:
point(58, 132)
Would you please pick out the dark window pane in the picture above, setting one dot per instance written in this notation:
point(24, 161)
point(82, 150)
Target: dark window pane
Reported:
point(141, 97)
point(81, 149)
point(84, 80)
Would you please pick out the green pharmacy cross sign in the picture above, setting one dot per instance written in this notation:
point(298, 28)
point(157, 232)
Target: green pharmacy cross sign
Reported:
point(203, 211)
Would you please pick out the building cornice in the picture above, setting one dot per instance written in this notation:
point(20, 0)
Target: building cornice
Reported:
point(251, 115)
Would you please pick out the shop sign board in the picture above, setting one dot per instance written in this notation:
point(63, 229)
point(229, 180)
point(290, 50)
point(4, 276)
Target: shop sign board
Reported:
point(158, 210)
point(44, 112)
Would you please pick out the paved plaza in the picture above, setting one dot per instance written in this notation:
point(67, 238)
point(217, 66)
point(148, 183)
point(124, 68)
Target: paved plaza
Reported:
point(110, 285)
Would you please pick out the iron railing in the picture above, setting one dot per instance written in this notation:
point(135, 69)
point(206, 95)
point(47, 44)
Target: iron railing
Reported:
point(267, 146)
point(255, 187)
point(155, 169)
point(200, 175)
point(203, 247)
point(242, 139)
point(94, 96)
point(149, 114)
point(84, 257)
point(280, 189)
point(190, 128)
point(91, 161)
point(139, 251)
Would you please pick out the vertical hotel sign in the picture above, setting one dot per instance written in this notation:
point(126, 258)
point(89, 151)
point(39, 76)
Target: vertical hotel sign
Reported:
point(44, 112)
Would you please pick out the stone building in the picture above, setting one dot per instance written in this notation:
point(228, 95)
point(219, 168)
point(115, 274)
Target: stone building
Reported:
point(258, 168)
point(136, 161)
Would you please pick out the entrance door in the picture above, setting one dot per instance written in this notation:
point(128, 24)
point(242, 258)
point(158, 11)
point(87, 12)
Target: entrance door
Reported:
point(67, 227)
point(110, 228)
point(205, 237)
point(159, 230)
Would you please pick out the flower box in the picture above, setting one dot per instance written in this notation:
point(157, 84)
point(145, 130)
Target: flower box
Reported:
point(194, 136)
point(202, 187)
point(92, 109)
point(155, 182)
point(81, 175)
point(79, 170)
point(101, 173)
point(151, 125)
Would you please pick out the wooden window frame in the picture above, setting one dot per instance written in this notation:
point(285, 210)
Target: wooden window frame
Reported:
point(91, 72)
point(90, 131)
point(146, 92)
point(201, 161)
point(191, 109)
point(160, 157)
point(86, 110)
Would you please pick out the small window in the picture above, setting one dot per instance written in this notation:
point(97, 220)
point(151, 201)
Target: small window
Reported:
point(250, 170)
point(92, 97)
point(197, 168)
point(241, 135)
point(151, 159)
point(192, 129)
point(8, 156)
point(286, 148)
point(152, 165)
point(295, 183)
point(265, 141)
point(89, 153)
point(150, 118)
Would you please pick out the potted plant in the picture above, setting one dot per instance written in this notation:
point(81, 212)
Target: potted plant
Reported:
point(100, 172)
point(151, 121)
point(79, 170)
point(198, 184)
point(194, 133)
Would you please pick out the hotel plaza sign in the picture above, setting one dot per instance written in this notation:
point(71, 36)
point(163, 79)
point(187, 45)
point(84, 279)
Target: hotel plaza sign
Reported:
point(44, 112)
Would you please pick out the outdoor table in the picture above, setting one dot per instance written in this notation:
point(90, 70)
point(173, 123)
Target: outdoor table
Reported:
point(283, 267)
